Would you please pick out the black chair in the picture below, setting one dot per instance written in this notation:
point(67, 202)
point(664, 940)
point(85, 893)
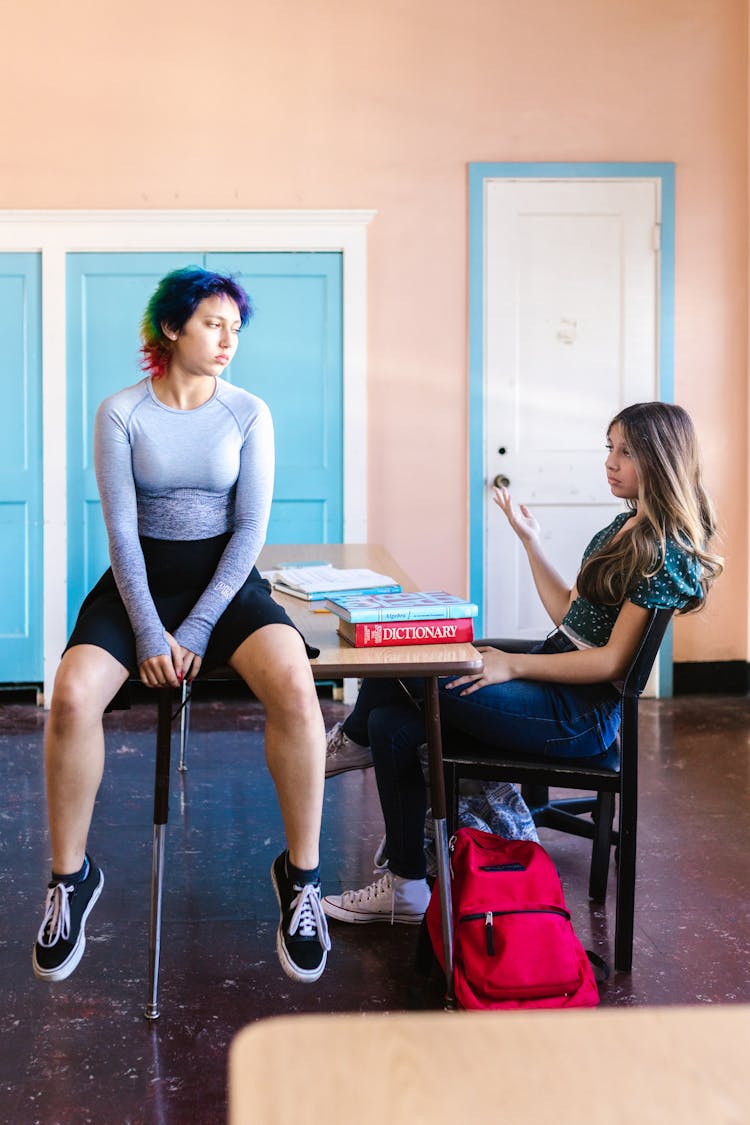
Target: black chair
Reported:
point(590, 816)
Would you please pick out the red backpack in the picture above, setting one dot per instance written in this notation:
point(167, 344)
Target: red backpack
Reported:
point(514, 944)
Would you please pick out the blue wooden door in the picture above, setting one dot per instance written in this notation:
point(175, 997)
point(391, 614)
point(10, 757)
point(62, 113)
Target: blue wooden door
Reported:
point(107, 294)
point(21, 625)
point(290, 355)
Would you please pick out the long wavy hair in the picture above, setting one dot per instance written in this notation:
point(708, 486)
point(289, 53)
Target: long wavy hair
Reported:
point(672, 503)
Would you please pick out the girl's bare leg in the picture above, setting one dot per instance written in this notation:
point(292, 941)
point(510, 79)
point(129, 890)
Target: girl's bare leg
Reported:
point(87, 679)
point(274, 664)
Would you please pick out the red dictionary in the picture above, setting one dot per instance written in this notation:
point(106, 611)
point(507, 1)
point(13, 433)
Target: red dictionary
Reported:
point(373, 634)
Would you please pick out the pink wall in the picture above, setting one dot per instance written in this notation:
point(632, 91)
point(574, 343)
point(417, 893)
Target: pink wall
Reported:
point(329, 103)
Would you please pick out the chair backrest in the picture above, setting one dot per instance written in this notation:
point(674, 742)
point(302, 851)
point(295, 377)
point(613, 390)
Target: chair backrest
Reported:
point(645, 654)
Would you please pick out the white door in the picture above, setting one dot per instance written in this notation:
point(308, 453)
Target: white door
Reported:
point(571, 337)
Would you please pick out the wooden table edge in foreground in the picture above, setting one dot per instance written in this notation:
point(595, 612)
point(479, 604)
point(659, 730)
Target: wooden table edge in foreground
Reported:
point(339, 659)
point(633, 1066)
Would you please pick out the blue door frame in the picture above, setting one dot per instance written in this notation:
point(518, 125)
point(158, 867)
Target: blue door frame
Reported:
point(478, 174)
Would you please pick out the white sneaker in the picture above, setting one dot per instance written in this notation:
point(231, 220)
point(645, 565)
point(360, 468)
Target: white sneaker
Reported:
point(388, 899)
point(342, 754)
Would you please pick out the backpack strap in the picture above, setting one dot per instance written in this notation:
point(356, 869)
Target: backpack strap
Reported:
point(599, 966)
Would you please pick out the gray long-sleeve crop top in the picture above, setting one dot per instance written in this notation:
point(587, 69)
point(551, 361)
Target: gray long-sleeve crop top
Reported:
point(183, 474)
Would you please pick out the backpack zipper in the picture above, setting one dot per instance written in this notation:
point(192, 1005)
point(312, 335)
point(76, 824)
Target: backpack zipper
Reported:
point(490, 915)
point(489, 934)
point(502, 867)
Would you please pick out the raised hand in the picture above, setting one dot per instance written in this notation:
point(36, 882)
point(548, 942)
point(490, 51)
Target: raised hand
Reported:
point(520, 519)
point(554, 592)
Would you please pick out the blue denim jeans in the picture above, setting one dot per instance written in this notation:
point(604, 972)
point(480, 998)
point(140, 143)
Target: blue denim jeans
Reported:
point(520, 716)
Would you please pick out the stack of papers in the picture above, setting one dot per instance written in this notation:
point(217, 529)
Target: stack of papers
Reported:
point(314, 583)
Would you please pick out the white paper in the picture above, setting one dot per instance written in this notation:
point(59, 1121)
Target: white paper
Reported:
point(322, 579)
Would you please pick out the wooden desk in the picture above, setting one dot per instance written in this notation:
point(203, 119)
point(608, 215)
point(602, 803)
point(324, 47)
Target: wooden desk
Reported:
point(336, 659)
point(619, 1066)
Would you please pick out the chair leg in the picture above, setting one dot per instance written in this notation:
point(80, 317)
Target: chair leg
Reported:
point(535, 796)
point(185, 698)
point(625, 916)
point(600, 853)
point(161, 816)
point(151, 1011)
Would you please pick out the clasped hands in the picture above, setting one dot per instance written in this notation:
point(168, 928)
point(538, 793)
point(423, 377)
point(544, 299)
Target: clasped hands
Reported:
point(171, 670)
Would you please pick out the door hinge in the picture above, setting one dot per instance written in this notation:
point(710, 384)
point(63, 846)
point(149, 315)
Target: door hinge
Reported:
point(657, 236)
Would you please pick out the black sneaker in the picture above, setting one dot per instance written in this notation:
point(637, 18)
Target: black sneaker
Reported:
point(62, 938)
point(302, 940)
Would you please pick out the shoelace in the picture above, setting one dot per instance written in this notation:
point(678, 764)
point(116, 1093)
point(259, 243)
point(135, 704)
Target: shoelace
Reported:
point(336, 742)
point(375, 890)
point(308, 916)
point(379, 889)
point(56, 921)
point(380, 859)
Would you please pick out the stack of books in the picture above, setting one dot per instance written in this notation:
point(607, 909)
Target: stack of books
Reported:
point(315, 581)
point(429, 617)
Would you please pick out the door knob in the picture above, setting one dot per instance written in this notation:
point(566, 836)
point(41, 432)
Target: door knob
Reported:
point(501, 481)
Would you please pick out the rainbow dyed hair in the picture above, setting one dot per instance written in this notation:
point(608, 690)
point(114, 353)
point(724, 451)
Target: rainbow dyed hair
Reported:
point(174, 301)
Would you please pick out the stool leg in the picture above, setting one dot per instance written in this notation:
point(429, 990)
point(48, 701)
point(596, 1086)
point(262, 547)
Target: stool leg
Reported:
point(184, 724)
point(161, 816)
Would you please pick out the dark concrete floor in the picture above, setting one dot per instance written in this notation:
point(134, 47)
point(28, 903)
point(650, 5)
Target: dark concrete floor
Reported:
point(80, 1051)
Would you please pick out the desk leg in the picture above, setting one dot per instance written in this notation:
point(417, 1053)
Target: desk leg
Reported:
point(161, 816)
point(437, 795)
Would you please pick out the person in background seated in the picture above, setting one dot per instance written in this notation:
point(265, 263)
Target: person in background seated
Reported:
point(562, 699)
point(184, 465)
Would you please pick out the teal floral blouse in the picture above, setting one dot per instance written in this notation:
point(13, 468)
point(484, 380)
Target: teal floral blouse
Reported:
point(674, 584)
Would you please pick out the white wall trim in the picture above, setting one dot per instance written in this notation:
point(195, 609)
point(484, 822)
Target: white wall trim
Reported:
point(57, 233)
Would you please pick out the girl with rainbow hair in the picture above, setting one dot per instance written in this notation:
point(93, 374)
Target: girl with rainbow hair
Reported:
point(184, 465)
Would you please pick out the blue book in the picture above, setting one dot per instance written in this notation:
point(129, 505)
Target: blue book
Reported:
point(430, 605)
point(320, 595)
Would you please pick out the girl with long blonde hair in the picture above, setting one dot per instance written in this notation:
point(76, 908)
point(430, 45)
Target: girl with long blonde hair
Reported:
point(562, 698)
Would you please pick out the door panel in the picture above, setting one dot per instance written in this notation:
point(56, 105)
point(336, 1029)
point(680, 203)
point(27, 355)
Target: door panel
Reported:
point(571, 338)
point(21, 470)
point(290, 354)
point(107, 294)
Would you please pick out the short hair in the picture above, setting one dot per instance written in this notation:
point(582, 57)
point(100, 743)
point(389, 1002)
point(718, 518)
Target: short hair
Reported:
point(174, 301)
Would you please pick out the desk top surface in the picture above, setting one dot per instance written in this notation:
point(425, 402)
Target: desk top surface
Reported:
point(339, 659)
point(625, 1066)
